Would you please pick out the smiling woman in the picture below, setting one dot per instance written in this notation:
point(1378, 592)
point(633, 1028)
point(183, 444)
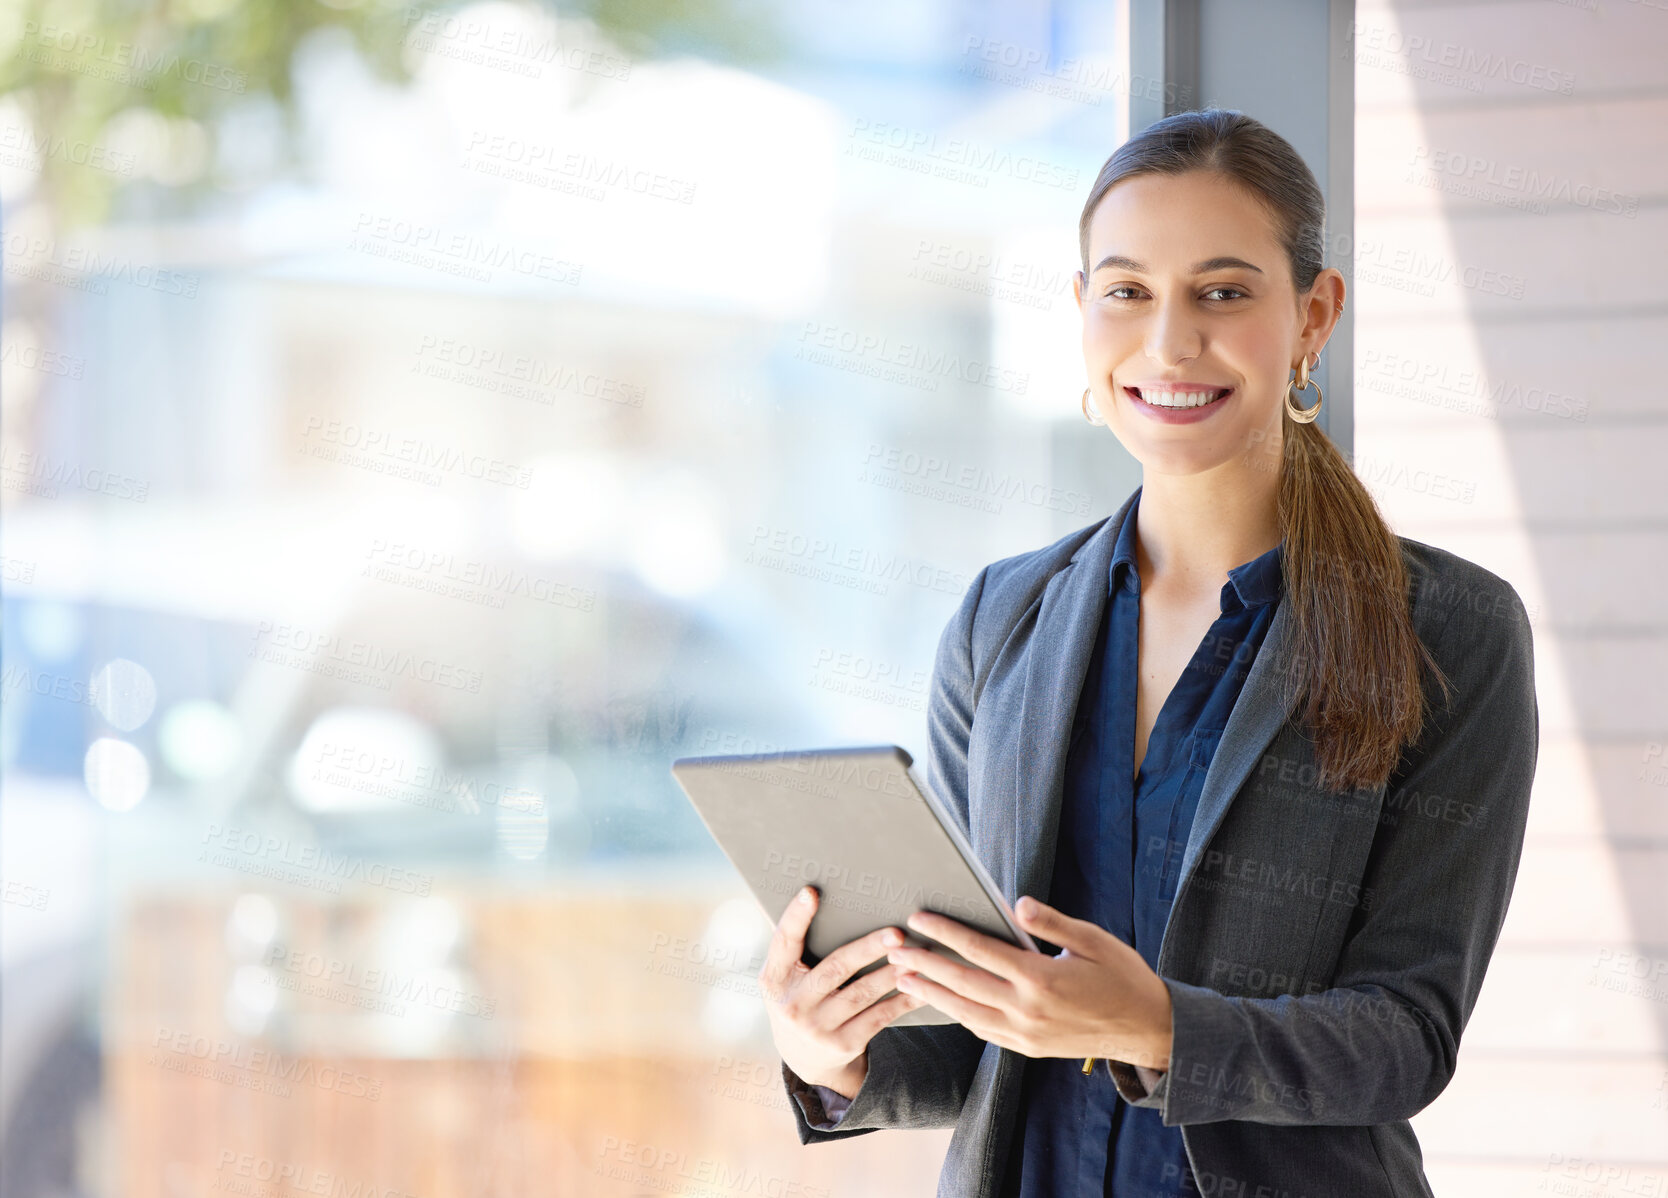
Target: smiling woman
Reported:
point(1200, 728)
point(1207, 241)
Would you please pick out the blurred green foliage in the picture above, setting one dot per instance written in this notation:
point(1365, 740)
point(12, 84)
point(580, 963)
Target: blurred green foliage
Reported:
point(72, 66)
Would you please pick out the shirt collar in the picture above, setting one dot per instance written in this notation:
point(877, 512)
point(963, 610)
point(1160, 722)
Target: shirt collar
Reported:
point(1123, 554)
point(1255, 582)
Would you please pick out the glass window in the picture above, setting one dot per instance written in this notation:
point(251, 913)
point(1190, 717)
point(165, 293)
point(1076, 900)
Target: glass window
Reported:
point(422, 424)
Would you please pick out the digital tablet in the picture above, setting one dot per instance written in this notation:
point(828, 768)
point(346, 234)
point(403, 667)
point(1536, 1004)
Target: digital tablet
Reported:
point(857, 824)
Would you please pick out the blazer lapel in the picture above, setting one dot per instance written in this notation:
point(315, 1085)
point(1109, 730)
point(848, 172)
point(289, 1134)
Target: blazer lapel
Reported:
point(1061, 644)
point(1256, 719)
point(1057, 662)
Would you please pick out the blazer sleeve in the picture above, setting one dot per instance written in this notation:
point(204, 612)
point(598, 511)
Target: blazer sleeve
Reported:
point(920, 1076)
point(1381, 1044)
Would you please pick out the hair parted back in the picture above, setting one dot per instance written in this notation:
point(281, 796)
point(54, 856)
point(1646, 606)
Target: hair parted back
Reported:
point(1357, 666)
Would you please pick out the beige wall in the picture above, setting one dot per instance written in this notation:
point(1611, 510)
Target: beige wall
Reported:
point(1513, 243)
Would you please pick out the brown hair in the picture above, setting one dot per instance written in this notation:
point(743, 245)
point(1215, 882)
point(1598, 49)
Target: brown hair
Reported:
point(1358, 658)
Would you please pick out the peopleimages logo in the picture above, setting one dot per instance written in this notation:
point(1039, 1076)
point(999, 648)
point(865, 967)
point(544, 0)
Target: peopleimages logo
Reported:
point(126, 61)
point(283, 644)
point(279, 856)
point(956, 158)
point(421, 784)
point(842, 885)
point(964, 483)
point(878, 355)
point(246, 1173)
point(359, 985)
point(238, 1064)
point(456, 251)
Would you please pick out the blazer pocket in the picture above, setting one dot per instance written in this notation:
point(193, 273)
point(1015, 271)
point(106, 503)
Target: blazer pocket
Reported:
point(1356, 819)
point(1279, 880)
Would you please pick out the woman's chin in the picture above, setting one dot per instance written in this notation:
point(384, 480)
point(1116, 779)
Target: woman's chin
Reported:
point(1175, 459)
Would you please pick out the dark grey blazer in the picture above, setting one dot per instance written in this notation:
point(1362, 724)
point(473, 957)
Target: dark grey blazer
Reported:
point(1325, 949)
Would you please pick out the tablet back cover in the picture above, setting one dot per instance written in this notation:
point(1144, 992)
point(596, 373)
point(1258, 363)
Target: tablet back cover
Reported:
point(855, 823)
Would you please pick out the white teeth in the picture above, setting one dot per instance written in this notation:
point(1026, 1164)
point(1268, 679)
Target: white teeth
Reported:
point(1179, 399)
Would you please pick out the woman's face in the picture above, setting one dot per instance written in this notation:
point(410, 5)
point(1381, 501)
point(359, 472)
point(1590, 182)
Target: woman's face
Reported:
point(1152, 318)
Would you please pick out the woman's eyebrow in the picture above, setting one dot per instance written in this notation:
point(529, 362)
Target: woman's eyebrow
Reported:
point(1199, 268)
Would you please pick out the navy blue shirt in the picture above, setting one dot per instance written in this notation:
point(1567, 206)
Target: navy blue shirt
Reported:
point(1117, 862)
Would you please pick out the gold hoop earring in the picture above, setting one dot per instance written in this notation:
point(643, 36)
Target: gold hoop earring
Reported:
point(1094, 418)
point(1302, 382)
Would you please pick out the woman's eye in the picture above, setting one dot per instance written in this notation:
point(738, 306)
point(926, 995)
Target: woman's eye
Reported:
point(1234, 292)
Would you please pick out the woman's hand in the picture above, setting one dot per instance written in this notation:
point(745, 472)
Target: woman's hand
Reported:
point(1098, 998)
point(822, 1030)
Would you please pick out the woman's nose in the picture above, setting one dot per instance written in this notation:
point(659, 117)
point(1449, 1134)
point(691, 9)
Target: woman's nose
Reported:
point(1172, 335)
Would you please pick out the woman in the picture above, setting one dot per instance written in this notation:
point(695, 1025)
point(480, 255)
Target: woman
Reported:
point(1268, 763)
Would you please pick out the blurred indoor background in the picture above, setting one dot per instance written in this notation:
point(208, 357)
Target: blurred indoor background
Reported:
point(421, 423)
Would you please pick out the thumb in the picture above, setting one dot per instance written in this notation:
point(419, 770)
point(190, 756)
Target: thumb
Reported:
point(1056, 927)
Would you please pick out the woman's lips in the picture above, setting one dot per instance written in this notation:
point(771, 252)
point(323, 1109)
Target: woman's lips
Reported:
point(1218, 392)
point(1178, 415)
